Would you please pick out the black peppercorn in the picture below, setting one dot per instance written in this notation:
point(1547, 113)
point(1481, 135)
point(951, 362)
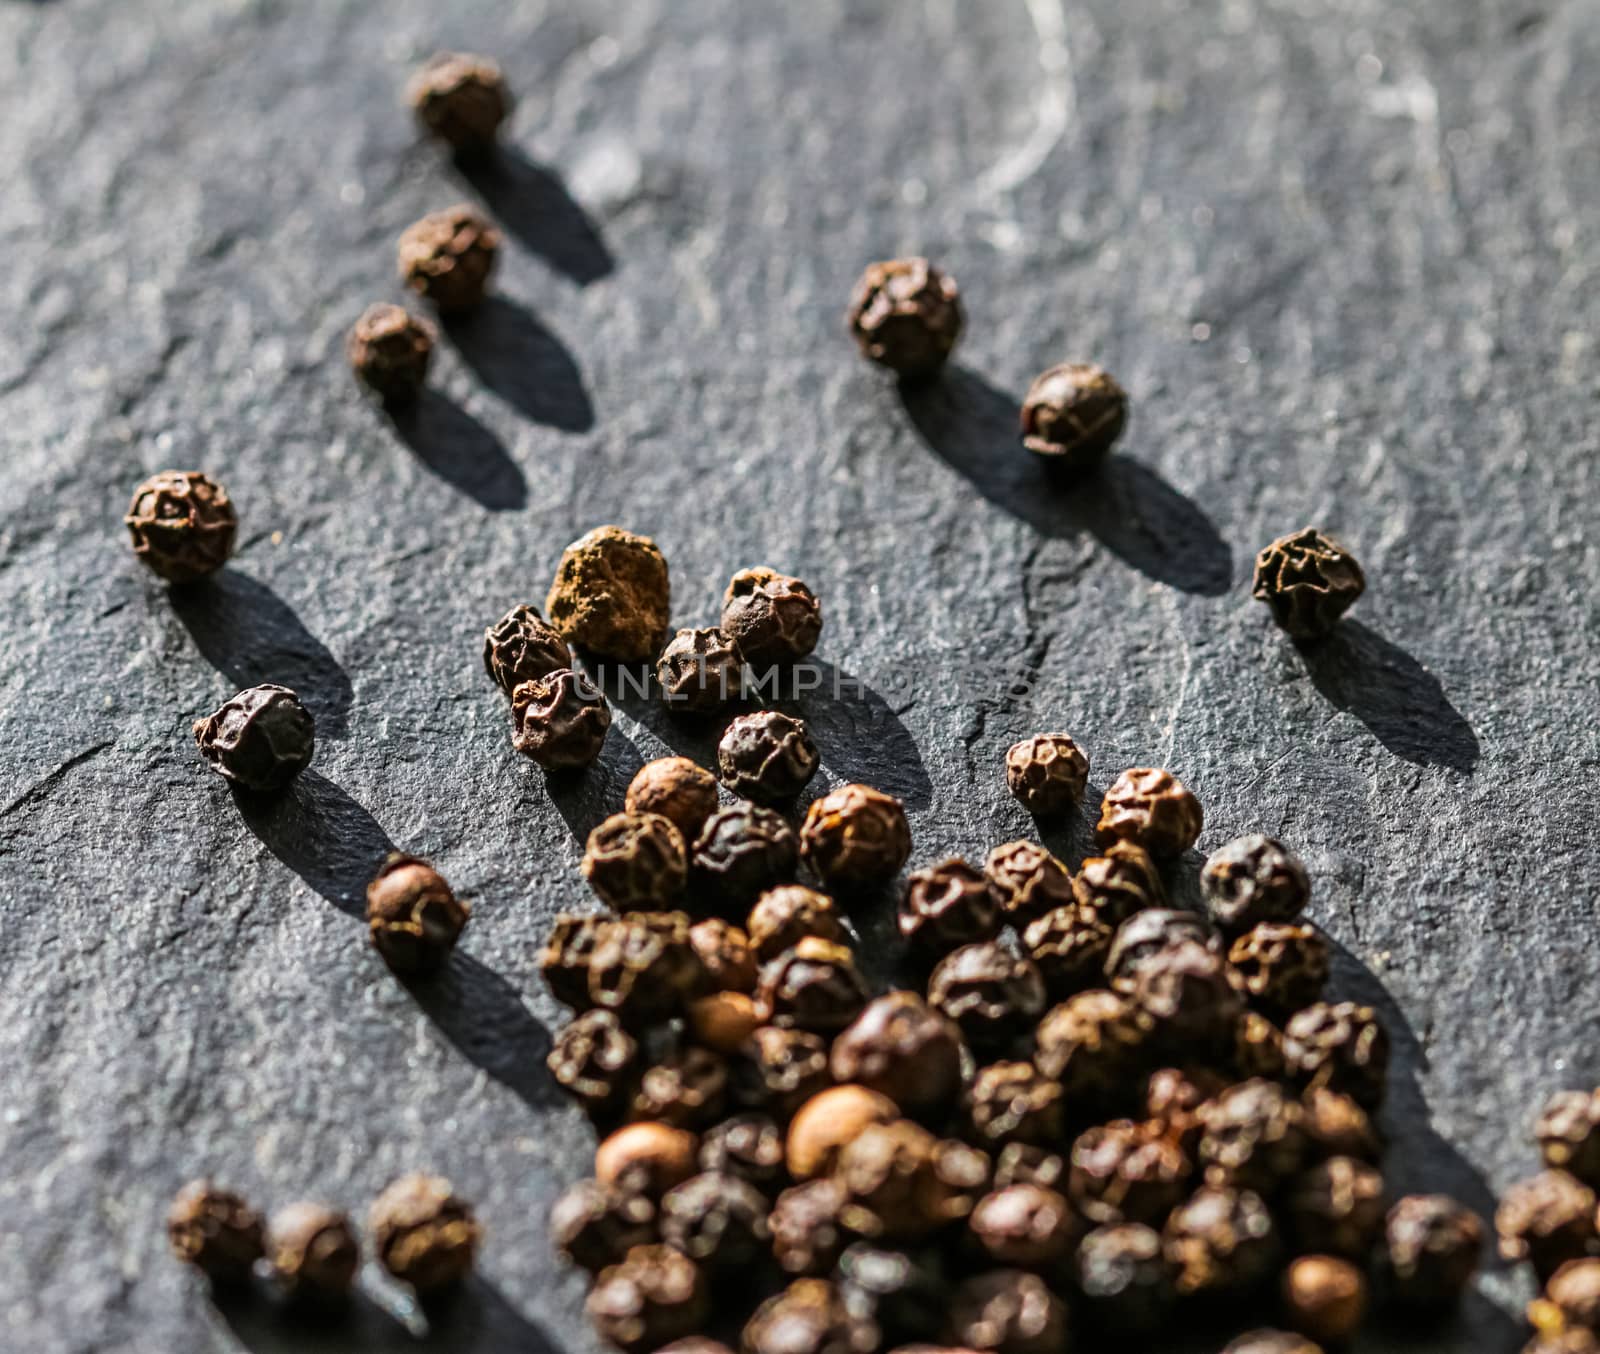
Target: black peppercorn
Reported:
point(856, 837)
point(1341, 1047)
point(814, 986)
point(564, 961)
point(1568, 1133)
point(560, 720)
point(948, 905)
point(595, 1061)
point(635, 861)
point(1124, 1278)
point(447, 258)
point(784, 916)
point(1308, 580)
point(653, 1296)
point(779, 1070)
point(1324, 1297)
point(808, 1231)
point(1253, 1137)
point(1023, 1226)
point(1221, 1242)
point(889, 1172)
point(1280, 966)
point(808, 1317)
point(1096, 1045)
point(390, 350)
point(900, 1047)
point(906, 315)
point(1006, 1311)
point(1546, 1220)
point(1014, 1103)
point(595, 1225)
point(1186, 994)
point(1126, 1172)
point(770, 617)
point(900, 1295)
point(725, 951)
point(460, 99)
point(1119, 883)
point(686, 1087)
point(1069, 947)
point(644, 968)
point(314, 1253)
point(1252, 880)
point(612, 595)
point(681, 792)
point(182, 524)
point(522, 647)
point(1072, 414)
point(1271, 1342)
point(646, 1158)
point(215, 1231)
point(1150, 808)
point(749, 1146)
point(1337, 1208)
point(994, 996)
point(1029, 880)
point(699, 672)
point(767, 757)
point(743, 850)
point(718, 1221)
point(423, 1233)
point(1145, 936)
point(413, 915)
point(260, 739)
point(1047, 773)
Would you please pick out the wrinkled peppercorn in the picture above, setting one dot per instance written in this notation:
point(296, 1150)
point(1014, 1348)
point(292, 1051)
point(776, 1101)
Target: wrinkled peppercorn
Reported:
point(699, 672)
point(413, 916)
point(726, 955)
point(1069, 947)
point(899, 1295)
point(1119, 883)
point(1126, 1172)
point(1151, 808)
point(1047, 773)
point(808, 1232)
point(612, 595)
point(808, 1317)
point(560, 720)
point(595, 1061)
point(1220, 1242)
point(1325, 1297)
point(390, 350)
point(1570, 1301)
point(770, 617)
point(314, 1253)
point(1280, 966)
point(653, 1296)
point(447, 258)
point(259, 740)
point(722, 1021)
point(1072, 414)
point(1006, 1311)
point(994, 996)
point(461, 99)
point(681, 792)
point(1023, 1226)
point(784, 916)
point(814, 986)
point(1028, 879)
point(767, 757)
point(1095, 1045)
point(595, 1225)
point(1148, 934)
point(423, 1233)
point(1341, 1047)
point(1308, 580)
point(1252, 880)
point(644, 968)
point(182, 525)
point(635, 861)
point(522, 647)
point(742, 851)
point(1186, 994)
point(215, 1231)
point(1336, 1208)
point(945, 906)
point(687, 1087)
point(749, 1146)
point(1568, 1133)
point(1271, 1342)
point(564, 961)
point(1252, 1137)
point(779, 1070)
point(1336, 1126)
point(901, 1048)
point(855, 837)
point(718, 1221)
point(1546, 1220)
point(1124, 1277)
point(889, 1172)
point(826, 1122)
point(1014, 1103)
point(906, 315)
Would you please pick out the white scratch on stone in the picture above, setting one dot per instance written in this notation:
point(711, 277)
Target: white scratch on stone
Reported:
point(1053, 109)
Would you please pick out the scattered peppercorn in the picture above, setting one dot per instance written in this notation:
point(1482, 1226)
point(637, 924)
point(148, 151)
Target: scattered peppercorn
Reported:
point(770, 617)
point(612, 595)
point(686, 1087)
point(522, 647)
point(423, 1233)
point(595, 1225)
point(635, 861)
point(994, 996)
point(1047, 773)
point(718, 1221)
point(948, 905)
point(646, 1158)
point(215, 1231)
point(595, 1061)
point(784, 916)
point(808, 1233)
point(653, 1296)
point(314, 1253)
point(461, 99)
point(1124, 1277)
point(722, 1021)
point(1029, 880)
point(1280, 966)
point(906, 315)
point(1126, 1172)
point(1014, 1104)
point(767, 757)
point(560, 720)
point(902, 1048)
point(259, 739)
point(1152, 809)
point(1308, 581)
point(644, 968)
point(1069, 947)
point(1325, 1297)
point(182, 524)
point(1220, 1242)
point(827, 1121)
point(742, 851)
point(390, 350)
point(807, 1316)
point(814, 986)
point(1119, 883)
point(1341, 1047)
point(1072, 414)
point(1568, 1133)
point(699, 672)
point(413, 915)
point(749, 1146)
point(1006, 1311)
point(780, 1070)
point(1253, 880)
point(1546, 1220)
point(726, 954)
point(1337, 1208)
point(447, 258)
point(856, 837)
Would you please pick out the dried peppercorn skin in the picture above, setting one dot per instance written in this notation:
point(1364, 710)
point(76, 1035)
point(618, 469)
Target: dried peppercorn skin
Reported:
point(855, 837)
point(423, 1233)
point(182, 525)
point(992, 995)
point(560, 720)
point(1279, 966)
point(1072, 414)
point(1030, 881)
point(1341, 1047)
point(390, 351)
point(564, 961)
point(1119, 883)
point(1069, 947)
point(770, 617)
point(462, 99)
point(1252, 880)
point(1047, 773)
point(259, 739)
point(699, 672)
point(743, 850)
point(1308, 581)
point(766, 757)
point(1151, 808)
point(448, 256)
point(644, 968)
point(413, 915)
point(612, 595)
point(636, 861)
point(522, 647)
point(947, 905)
point(906, 315)
point(814, 986)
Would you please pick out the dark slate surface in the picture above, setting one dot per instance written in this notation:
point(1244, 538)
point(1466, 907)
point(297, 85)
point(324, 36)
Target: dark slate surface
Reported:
point(1342, 252)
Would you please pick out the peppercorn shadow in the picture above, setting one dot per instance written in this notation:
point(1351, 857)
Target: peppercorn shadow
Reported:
point(1070, 836)
point(1400, 701)
point(859, 735)
point(586, 796)
point(461, 451)
point(1126, 506)
point(523, 362)
point(635, 691)
point(531, 202)
point(251, 635)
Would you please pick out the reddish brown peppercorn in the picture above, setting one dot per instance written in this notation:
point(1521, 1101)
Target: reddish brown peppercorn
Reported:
point(1253, 880)
point(1336, 1126)
point(780, 1070)
point(906, 315)
point(1280, 966)
point(948, 905)
point(1546, 1220)
point(1025, 1226)
point(767, 757)
point(855, 837)
point(259, 739)
point(1325, 1297)
point(560, 720)
point(595, 1225)
point(635, 861)
point(595, 1061)
point(1069, 947)
point(413, 915)
point(182, 525)
point(390, 350)
point(653, 1296)
point(1007, 1311)
point(699, 672)
point(1047, 773)
point(1341, 1047)
point(1126, 1172)
point(902, 1048)
point(725, 952)
point(1119, 883)
point(741, 851)
point(314, 1253)
point(1028, 879)
point(1568, 1133)
point(1072, 414)
point(994, 996)
point(1014, 1103)
point(461, 99)
point(646, 1158)
point(521, 647)
point(423, 1233)
point(826, 1122)
point(784, 916)
point(1308, 581)
point(1147, 935)
point(612, 595)
point(1221, 1241)
point(215, 1231)
point(814, 986)
point(770, 617)
point(447, 258)
point(1152, 809)
point(681, 792)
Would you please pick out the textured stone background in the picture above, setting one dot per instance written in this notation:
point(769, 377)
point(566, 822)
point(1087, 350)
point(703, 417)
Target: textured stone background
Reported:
point(1342, 252)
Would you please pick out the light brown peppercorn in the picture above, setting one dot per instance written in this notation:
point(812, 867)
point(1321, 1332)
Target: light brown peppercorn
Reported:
point(423, 1233)
point(595, 1061)
point(1546, 1220)
point(521, 647)
point(855, 837)
point(1280, 966)
point(182, 525)
point(722, 1021)
point(314, 1253)
point(1069, 947)
point(559, 720)
point(726, 955)
point(993, 995)
point(647, 1158)
point(1568, 1133)
point(1308, 581)
point(770, 617)
point(680, 791)
point(461, 99)
point(1151, 808)
point(906, 315)
point(413, 915)
point(699, 672)
point(1072, 414)
point(215, 1231)
point(945, 906)
point(1028, 879)
point(447, 258)
point(653, 1296)
point(1325, 1297)
point(390, 350)
point(612, 595)
point(827, 1121)
point(1336, 1208)
point(814, 986)
point(636, 861)
point(766, 756)
point(1047, 773)
point(784, 916)
point(595, 1225)
point(902, 1048)
point(1014, 1103)
point(1119, 883)
point(1006, 1311)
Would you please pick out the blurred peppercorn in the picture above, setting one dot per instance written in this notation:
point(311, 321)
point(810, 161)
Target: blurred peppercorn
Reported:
point(314, 1253)
point(1006, 1311)
point(749, 1146)
point(644, 968)
point(718, 1221)
point(1096, 1045)
point(1280, 966)
point(1124, 1278)
point(1221, 1242)
point(653, 1296)
point(779, 1070)
point(814, 986)
point(902, 1048)
point(825, 1123)
point(784, 916)
point(993, 995)
point(390, 351)
point(1069, 947)
point(423, 1233)
point(945, 906)
point(1072, 414)
point(461, 99)
point(595, 1061)
point(595, 1225)
point(1341, 1047)
point(1325, 1297)
point(1012, 1103)
point(1546, 1220)
point(215, 1231)
point(1119, 883)
point(646, 1158)
point(906, 315)
point(808, 1231)
point(1568, 1133)
point(447, 258)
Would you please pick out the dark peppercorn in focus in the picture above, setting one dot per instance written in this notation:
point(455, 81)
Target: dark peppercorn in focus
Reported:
point(1028, 880)
point(423, 1233)
point(612, 595)
point(413, 915)
point(461, 99)
point(741, 851)
point(1047, 773)
point(390, 351)
point(945, 906)
point(1069, 947)
point(680, 791)
point(699, 672)
point(1308, 581)
point(448, 256)
point(906, 315)
point(259, 740)
point(645, 968)
point(182, 525)
point(636, 861)
point(522, 647)
point(215, 1231)
point(1072, 414)
point(786, 915)
point(856, 837)
point(1150, 808)
point(314, 1253)
point(770, 617)
point(1115, 885)
point(767, 757)
point(1251, 880)
point(559, 720)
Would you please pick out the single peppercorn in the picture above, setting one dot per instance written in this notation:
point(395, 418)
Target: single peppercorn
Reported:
point(1271, 1342)
point(314, 1253)
point(889, 1172)
point(1072, 414)
point(1119, 883)
point(522, 647)
point(1024, 1227)
point(1280, 966)
point(1069, 946)
point(447, 258)
point(1220, 1242)
point(612, 595)
point(726, 955)
point(1006, 1311)
point(784, 916)
point(1095, 1045)
point(825, 1123)
point(1253, 1137)
point(1029, 880)
point(856, 837)
point(595, 1061)
point(1568, 1133)
point(644, 968)
point(423, 1233)
point(965, 1174)
point(1014, 1103)
point(215, 1231)
point(1186, 994)
point(1324, 1297)
point(808, 1232)
point(1146, 935)
point(461, 99)
point(722, 1021)
point(654, 1295)
point(1336, 1208)
point(1546, 1220)
point(906, 315)
point(635, 861)
point(1123, 1275)
point(718, 1221)
point(1570, 1301)
point(1126, 1172)
point(686, 1086)
point(948, 905)
point(1340, 1046)
point(993, 996)
point(808, 1317)
point(559, 720)
point(413, 915)
point(1252, 880)
point(814, 986)
point(258, 740)
point(595, 1225)
point(646, 1158)
point(1047, 773)
point(1308, 580)
point(902, 1048)
point(1151, 808)
point(898, 1294)
point(780, 1070)
point(749, 1146)
point(699, 672)
point(565, 959)
point(390, 350)
point(767, 757)
point(742, 851)
point(770, 617)
point(681, 792)
point(182, 525)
